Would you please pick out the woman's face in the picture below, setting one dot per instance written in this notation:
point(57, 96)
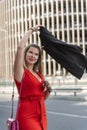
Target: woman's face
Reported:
point(32, 56)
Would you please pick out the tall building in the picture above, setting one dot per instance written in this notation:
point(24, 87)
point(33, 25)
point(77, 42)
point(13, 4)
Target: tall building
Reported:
point(66, 19)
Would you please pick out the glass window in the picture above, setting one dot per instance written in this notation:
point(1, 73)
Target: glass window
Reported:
point(40, 10)
point(60, 35)
point(79, 6)
point(50, 22)
point(55, 23)
point(80, 20)
point(36, 10)
point(69, 6)
point(49, 7)
point(86, 35)
point(64, 7)
point(31, 9)
point(70, 21)
point(84, 5)
point(74, 6)
point(54, 7)
point(45, 8)
point(70, 36)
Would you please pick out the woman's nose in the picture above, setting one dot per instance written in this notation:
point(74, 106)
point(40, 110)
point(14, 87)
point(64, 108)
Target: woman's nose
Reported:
point(33, 55)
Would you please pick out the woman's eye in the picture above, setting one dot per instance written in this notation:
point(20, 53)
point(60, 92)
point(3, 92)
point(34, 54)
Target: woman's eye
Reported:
point(36, 54)
point(30, 52)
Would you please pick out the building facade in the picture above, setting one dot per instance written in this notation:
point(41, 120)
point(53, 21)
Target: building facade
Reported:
point(66, 19)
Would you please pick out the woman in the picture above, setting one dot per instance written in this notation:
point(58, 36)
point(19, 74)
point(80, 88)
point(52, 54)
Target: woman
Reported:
point(32, 88)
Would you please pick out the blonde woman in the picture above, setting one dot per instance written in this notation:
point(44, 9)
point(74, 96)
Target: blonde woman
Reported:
point(28, 77)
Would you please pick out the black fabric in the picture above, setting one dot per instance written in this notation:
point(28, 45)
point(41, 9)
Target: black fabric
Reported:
point(69, 56)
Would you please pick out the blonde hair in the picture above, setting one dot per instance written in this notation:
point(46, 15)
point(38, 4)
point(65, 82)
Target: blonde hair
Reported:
point(37, 65)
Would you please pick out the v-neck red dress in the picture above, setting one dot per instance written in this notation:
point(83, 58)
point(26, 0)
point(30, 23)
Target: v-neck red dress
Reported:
point(31, 109)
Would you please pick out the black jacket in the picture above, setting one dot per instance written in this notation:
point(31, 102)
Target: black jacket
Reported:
point(69, 56)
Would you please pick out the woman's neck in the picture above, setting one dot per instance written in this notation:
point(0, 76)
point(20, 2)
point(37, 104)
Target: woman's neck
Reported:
point(30, 68)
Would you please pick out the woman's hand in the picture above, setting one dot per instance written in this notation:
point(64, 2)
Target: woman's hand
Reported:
point(36, 28)
point(47, 87)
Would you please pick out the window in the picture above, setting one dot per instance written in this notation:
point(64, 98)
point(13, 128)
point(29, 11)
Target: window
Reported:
point(86, 35)
point(70, 21)
point(27, 24)
point(50, 22)
point(27, 12)
point(80, 36)
point(54, 7)
point(45, 8)
point(60, 24)
point(75, 21)
point(55, 26)
point(79, 6)
point(23, 12)
point(49, 7)
point(80, 21)
point(65, 37)
point(69, 6)
point(41, 21)
point(75, 36)
point(24, 25)
point(45, 22)
point(31, 9)
point(60, 35)
point(70, 36)
point(36, 10)
point(74, 6)
point(59, 6)
point(65, 23)
point(40, 10)
point(84, 5)
point(85, 21)
point(64, 7)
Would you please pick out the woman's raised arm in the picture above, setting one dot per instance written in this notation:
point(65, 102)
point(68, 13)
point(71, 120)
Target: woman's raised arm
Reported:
point(19, 58)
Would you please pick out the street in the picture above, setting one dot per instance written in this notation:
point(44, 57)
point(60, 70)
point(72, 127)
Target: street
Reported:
point(67, 115)
point(62, 114)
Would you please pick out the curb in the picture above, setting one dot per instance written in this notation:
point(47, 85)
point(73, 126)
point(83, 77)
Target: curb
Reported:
point(70, 98)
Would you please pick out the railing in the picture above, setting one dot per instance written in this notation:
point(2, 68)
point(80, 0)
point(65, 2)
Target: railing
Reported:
point(66, 90)
point(58, 81)
point(68, 85)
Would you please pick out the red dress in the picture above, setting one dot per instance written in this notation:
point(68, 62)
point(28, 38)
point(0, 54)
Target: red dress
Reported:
point(31, 109)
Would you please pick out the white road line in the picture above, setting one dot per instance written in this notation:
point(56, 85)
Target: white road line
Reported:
point(54, 113)
point(67, 115)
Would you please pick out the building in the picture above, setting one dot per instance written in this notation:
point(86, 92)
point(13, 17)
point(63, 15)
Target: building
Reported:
point(66, 19)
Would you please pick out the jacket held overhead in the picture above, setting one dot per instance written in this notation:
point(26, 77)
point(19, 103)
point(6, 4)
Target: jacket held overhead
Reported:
point(67, 55)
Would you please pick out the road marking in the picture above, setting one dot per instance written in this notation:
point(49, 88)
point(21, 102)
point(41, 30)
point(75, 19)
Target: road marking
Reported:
point(66, 114)
point(54, 113)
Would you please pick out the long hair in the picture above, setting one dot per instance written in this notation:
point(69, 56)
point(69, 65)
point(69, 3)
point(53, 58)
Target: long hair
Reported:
point(37, 65)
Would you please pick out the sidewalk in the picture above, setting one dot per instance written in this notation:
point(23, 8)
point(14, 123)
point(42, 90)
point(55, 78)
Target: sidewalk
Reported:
point(66, 96)
point(5, 93)
point(7, 89)
point(7, 97)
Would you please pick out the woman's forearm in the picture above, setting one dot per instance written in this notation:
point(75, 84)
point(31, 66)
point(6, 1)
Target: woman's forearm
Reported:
point(24, 40)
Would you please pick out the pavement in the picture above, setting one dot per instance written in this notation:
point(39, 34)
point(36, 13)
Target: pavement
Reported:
point(6, 92)
point(66, 96)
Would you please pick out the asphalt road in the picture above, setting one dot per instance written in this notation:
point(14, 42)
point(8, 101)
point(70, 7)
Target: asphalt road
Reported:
point(62, 114)
point(67, 115)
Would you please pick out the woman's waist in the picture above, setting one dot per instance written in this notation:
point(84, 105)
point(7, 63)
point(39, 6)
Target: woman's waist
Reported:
point(32, 97)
